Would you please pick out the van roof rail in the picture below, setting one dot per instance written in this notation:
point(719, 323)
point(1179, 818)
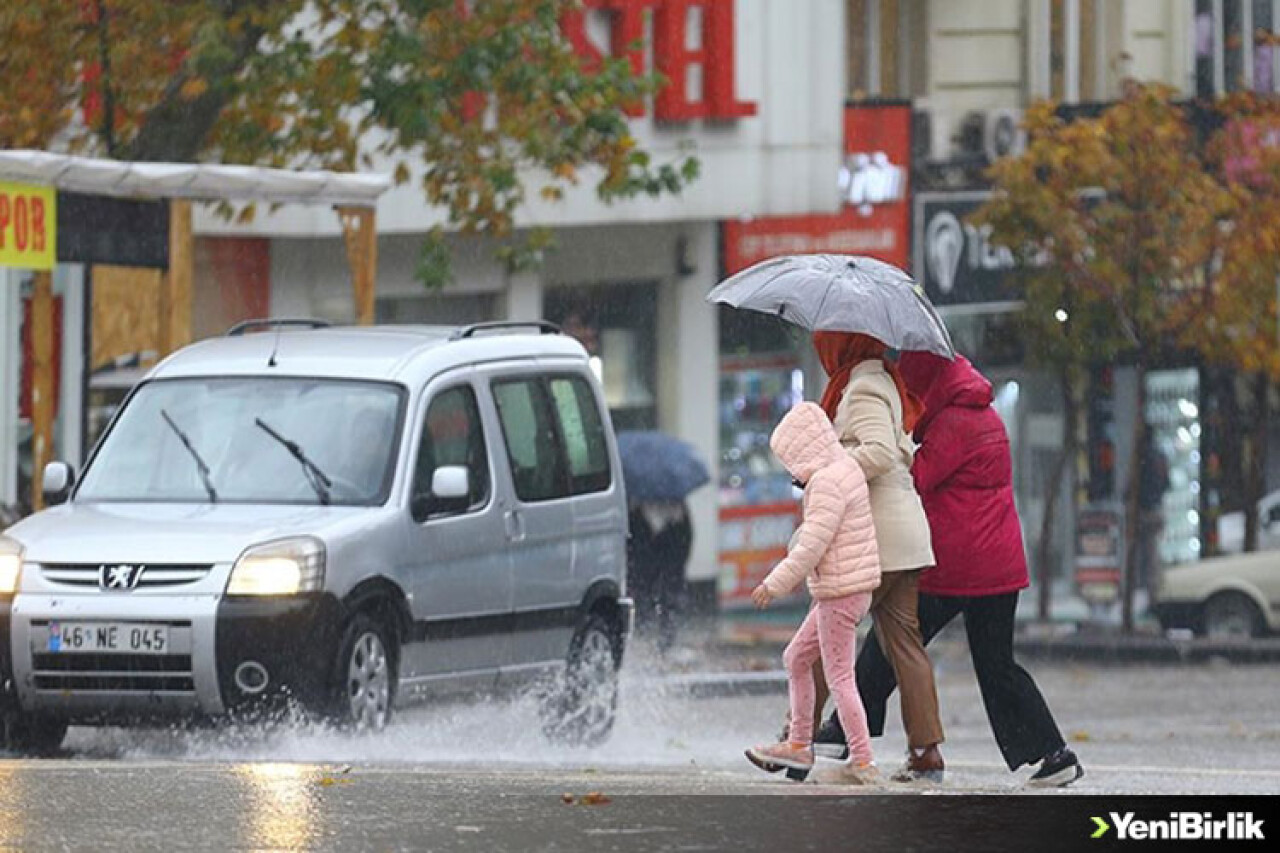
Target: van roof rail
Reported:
point(284, 322)
point(542, 326)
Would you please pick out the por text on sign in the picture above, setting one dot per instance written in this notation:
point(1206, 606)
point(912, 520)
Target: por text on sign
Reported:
point(28, 226)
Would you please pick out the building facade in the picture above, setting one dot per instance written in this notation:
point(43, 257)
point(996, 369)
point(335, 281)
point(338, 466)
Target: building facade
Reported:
point(628, 279)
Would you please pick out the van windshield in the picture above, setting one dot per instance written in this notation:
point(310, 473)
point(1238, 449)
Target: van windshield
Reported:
point(251, 440)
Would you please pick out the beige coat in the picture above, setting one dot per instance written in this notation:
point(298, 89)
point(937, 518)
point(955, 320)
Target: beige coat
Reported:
point(834, 549)
point(869, 423)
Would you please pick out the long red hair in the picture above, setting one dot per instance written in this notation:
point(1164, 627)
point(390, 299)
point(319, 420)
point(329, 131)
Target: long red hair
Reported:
point(840, 353)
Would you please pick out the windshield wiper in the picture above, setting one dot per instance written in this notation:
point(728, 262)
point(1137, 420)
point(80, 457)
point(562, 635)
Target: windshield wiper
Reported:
point(201, 465)
point(314, 475)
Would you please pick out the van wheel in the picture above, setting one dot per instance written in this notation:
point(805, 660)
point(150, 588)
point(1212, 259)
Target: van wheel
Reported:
point(583, 703)
point(364, 684)
point(28, 735)
point(1231, 615)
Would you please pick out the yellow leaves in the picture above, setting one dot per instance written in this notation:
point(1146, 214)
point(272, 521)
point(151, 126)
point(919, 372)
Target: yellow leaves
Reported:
point(593, 798)
point(193, 88)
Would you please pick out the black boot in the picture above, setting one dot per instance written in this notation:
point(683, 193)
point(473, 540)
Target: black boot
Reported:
point(830, 742)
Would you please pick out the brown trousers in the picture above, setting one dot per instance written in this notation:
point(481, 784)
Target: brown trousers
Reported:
point(897, 627)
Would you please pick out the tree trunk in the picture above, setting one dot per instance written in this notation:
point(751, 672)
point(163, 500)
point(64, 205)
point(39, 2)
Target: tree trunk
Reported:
point(1132, 513)
point(1256, 468)
point(1044, 568)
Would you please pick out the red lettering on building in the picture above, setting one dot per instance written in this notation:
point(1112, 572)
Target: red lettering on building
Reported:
point(673, 58)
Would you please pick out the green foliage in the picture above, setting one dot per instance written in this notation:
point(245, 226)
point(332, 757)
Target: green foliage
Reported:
point(474, 98)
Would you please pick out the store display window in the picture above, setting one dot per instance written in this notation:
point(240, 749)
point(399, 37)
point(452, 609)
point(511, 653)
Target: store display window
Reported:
point(617, 326)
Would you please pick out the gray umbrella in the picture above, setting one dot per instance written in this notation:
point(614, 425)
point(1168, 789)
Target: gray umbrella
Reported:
point(841, 293)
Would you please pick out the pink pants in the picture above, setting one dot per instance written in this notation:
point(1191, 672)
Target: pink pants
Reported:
point(829, 631)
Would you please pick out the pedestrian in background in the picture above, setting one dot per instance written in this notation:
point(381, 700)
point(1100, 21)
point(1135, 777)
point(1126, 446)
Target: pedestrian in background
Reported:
point(834, 551)
point(657, 556)
point(964, 473)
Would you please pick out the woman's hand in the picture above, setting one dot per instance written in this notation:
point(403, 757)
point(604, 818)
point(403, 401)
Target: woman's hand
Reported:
point(762, 597)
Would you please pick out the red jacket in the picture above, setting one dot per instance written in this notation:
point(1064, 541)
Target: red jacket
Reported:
point(964, 474)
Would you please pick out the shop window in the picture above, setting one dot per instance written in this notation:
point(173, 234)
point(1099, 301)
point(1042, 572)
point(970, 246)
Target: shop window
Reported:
point(1173, 415)
point(616, 324)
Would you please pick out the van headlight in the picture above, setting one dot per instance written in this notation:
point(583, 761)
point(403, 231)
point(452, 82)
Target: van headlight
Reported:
point(10, 565)
point(283, 567)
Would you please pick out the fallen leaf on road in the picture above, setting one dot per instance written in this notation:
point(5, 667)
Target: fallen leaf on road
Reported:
point(1081, 737)
point(594, 798)
point(331, 780)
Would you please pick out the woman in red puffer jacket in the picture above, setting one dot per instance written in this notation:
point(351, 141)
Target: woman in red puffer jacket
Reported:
point(964, 475)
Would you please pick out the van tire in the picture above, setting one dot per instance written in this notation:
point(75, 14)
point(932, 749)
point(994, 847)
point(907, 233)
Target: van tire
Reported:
point(582, 704)
point(366, 675)
point(28, 735)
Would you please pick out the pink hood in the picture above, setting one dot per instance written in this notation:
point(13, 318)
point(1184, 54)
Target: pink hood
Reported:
point(805, 442)
point(834, 548)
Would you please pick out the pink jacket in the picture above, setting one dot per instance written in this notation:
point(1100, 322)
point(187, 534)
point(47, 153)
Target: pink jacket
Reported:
point(834, 548)
point(964, 474)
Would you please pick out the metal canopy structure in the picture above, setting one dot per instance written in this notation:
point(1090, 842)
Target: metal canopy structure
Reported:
point(353, 196)
point(193, 181)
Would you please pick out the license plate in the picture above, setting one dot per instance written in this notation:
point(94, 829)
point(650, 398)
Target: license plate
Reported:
point(123, 637)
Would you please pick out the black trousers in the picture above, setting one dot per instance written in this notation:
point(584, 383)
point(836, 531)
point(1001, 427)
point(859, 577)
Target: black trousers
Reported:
point(1020, 719)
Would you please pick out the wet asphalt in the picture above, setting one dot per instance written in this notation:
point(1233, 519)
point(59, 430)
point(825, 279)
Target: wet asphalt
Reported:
point(479, 776)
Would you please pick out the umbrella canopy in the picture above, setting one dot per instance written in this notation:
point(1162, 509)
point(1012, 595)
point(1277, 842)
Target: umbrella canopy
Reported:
point(658, 467)
point(841, 293)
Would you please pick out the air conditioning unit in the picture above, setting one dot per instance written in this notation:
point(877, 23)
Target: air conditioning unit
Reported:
point(992, 134)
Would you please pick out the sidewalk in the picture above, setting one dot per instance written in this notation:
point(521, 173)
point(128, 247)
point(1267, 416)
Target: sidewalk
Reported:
point(741, 650)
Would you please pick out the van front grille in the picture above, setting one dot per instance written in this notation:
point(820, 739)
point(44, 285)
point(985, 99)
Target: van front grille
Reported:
point(149, 576)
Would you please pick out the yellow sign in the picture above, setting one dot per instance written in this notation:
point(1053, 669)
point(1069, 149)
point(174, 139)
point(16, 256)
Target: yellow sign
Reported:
point(28, 226)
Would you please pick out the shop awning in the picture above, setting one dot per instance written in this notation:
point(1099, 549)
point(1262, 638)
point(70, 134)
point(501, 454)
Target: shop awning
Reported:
point(196, 181)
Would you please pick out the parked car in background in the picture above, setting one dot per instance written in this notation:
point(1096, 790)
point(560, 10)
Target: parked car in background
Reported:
point(342, 518)
point(1231, 527)
point(1236, 596)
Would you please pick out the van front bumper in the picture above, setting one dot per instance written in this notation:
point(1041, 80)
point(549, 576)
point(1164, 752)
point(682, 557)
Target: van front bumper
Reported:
point(292, 639)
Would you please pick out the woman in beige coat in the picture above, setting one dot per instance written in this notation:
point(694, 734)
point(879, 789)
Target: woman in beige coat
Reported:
point(874, 414)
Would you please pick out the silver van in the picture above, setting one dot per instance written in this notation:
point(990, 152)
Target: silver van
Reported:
point(342, 518)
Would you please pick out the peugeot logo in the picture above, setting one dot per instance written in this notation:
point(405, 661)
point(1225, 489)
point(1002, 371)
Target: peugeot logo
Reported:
point(123, 577)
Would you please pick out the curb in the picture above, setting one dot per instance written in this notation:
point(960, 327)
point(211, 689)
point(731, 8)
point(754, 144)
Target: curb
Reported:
point(713, 685)
point(1105, 649)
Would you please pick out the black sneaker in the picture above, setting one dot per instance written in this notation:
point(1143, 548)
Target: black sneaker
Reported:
point(830, 741)
point(1057, 771)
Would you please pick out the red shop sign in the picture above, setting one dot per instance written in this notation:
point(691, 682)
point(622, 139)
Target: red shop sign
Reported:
point(874, 183)
point(672, 56)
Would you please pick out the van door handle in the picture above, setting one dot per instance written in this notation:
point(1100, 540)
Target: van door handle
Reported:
point(515, 525)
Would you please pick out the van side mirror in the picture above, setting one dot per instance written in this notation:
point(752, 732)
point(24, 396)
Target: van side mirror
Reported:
point(59, 479)
point(450, 492)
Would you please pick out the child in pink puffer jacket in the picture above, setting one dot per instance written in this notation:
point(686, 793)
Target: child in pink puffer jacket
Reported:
point(834, 551)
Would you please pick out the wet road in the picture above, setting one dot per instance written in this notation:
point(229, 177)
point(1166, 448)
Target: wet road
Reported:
point(481, 776)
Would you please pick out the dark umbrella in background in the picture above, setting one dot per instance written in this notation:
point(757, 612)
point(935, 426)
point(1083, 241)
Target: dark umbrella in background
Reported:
point(659, 467)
